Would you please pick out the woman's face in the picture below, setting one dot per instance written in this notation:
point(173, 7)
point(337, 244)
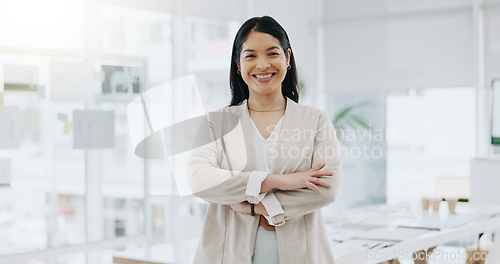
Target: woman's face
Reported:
point(263, 63)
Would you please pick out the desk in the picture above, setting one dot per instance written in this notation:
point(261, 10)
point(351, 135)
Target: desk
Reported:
point(169, 253)
point(362, 236)
point(384, 232)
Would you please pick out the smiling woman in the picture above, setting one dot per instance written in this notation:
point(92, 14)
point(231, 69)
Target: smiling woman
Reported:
point(263, 64)
point(268, 208)
point(261, 47)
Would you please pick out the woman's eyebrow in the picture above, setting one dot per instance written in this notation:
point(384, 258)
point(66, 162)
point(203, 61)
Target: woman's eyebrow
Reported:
point(251, 50)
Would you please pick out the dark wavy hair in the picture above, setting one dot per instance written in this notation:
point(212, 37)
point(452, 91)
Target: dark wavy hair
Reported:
point(265, 24)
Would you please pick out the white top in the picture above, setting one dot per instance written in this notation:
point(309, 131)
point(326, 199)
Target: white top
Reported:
point(265, 153)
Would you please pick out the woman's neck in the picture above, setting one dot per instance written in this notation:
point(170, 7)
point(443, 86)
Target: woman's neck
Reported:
point(266, 103)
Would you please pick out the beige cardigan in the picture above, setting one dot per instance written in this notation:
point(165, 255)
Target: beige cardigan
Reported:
point(219, 170)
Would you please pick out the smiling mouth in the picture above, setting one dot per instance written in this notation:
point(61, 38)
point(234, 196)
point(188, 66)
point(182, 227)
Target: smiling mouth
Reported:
point(264, 77)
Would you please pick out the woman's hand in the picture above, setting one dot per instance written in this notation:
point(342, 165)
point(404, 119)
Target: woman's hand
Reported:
point(242, 208)
point(305, 179)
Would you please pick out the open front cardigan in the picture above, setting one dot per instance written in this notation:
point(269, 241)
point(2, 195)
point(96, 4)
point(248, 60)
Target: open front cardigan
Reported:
point(219, 170)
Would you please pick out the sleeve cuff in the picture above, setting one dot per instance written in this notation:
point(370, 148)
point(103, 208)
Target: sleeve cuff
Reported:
point(254, 184)
point(273, 207)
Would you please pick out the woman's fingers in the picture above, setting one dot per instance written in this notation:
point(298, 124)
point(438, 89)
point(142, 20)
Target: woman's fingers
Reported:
point(318, 166)
point(321, 173)
point(313, 187)
point(320, 182)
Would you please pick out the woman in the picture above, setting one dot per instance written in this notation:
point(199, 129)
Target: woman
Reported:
point(267, 165)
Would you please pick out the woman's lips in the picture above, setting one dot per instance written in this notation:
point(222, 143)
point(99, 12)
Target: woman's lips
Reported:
point(264, 77)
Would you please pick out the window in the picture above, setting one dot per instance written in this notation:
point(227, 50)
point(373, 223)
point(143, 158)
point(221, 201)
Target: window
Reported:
point(434, 133)
point(49, 24)
point(360, 122)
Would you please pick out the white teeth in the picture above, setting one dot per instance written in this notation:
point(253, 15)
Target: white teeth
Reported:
point(263, 76)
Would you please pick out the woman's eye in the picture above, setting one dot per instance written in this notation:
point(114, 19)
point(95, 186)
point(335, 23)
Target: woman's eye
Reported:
point(249, 56)
point(273, 53)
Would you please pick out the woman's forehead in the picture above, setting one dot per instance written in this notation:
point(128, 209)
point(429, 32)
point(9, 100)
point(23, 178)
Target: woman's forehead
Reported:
point(260, 41)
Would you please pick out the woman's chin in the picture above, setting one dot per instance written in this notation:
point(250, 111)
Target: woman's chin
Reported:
point(265, 92)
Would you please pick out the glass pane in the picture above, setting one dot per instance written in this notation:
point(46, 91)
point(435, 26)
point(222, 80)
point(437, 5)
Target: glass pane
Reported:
point(360, 121)
point(123, 217)
point(74, 258)
point(23, 215)
point(161, 178)
point(208, 56)
point(177, 218)
point(122, 179)
point(50, 24)
point(138, 32)
point(69, 221)
point(434, 133)
point(45, 199)
point(209, 43)
point(122, 172)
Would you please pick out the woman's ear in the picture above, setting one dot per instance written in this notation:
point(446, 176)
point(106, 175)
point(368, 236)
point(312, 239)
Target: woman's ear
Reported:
point(289, 51)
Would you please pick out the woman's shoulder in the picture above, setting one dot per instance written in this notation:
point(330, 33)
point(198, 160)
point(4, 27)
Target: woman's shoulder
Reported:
point(230, 111)
point(224, 111)
point(225, 115)
point(307, 110)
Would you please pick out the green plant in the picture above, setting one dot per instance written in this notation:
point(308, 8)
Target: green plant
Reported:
point(302, 82)
point(349, 117)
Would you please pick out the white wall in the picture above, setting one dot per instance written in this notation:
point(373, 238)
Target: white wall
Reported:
point(220, 9)
point(489, 69)
point(491, 43)
point(485, 181)
point(384, 45)
point(342, 9)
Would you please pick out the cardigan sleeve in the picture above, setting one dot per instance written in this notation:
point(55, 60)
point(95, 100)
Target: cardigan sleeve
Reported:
point(274, 209)
point(213, 184)
point(304, 201)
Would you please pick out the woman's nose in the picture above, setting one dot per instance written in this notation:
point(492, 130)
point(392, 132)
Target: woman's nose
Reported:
point(262, 64)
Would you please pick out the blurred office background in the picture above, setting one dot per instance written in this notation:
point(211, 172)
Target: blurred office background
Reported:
point(406, 82)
